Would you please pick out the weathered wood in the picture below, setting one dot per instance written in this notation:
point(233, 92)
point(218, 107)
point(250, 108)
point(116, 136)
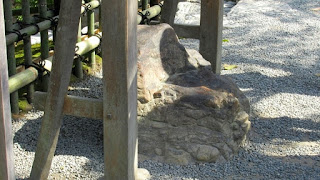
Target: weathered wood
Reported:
point(211, 32)
point(59, 80)
point(6, 141)
point(120, 88)
point(169, 10)
point(10, 54)
point(187, 31)
point(74, 106)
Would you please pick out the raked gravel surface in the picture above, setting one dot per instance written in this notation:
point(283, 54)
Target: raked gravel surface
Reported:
point(276, 47)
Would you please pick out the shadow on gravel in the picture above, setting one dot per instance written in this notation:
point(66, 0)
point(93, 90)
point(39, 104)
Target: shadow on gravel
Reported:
point(286, 128)
point(78, 137)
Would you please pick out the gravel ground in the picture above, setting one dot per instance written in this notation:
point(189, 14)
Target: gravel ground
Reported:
point(275, 44)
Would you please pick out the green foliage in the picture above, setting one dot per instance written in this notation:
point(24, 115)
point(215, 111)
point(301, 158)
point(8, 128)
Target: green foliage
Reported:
point(17, 4)
point(225, 40)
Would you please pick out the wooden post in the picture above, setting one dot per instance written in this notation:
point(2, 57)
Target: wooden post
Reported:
point(14, 98)
point(119, 45)
point(6, 141)
point(91, 22)
point(58, 87)
point(211, 32)
point(168, 11)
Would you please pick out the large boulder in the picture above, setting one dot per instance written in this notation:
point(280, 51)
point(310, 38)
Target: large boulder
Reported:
point(186, 113)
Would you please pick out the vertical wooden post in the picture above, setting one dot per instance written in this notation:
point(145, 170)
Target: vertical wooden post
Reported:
point(168, 11)
point(44, 41)
point(119, 55)
point(6, 141)
point(92, 54)
point(14, 98)
point(58, 87)
point(27, 47)
point(211, 26)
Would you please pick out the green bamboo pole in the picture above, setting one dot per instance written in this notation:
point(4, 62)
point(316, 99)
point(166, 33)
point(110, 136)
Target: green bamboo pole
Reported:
point(22, 79)
point(77, 62)
point(34, 19)
point(13, 37)
point(90, 5)
point(86, 46)
point(153, 12)
point(144, 5)
point(27, 46)
point(44, 41)
point(92, 54)
point(14, 98)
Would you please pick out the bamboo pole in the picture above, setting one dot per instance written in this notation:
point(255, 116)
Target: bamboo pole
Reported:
point(151, 12)
point(22, 79)
point(77, 62)
point(90, 6)
point(6, 140)
point(14, 98)
point(144, 5)
point(13, 37)
point(86, 46)
point(92, 54)
point(58, 87)
point(27, 46)
point(44, 41)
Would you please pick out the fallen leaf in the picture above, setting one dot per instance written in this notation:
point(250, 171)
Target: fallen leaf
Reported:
point(316, 9)
point(318, 74)
point(229, 66)
point(225, 40)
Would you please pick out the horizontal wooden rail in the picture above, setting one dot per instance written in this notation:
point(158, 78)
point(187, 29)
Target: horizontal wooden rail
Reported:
point(73, 105)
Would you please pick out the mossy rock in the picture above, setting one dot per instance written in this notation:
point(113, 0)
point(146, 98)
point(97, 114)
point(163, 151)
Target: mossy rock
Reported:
point(24, 106)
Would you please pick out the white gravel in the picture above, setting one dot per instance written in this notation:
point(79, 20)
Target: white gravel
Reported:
point(275, 44)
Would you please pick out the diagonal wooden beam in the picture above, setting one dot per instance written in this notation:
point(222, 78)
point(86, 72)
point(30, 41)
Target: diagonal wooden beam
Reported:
point(66, 38)
point(119, 54)
point(6, 142)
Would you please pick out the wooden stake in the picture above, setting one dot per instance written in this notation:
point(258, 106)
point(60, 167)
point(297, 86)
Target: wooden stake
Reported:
point(119, 44)
point(59, 80)
point(211, 32)
point(6, 141)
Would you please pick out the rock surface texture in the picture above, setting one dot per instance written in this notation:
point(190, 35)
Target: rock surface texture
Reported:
point(186, 113)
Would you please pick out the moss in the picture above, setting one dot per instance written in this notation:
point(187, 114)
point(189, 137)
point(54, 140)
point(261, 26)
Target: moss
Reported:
point(86, 68)
point(24, 105)
point(35, 49)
